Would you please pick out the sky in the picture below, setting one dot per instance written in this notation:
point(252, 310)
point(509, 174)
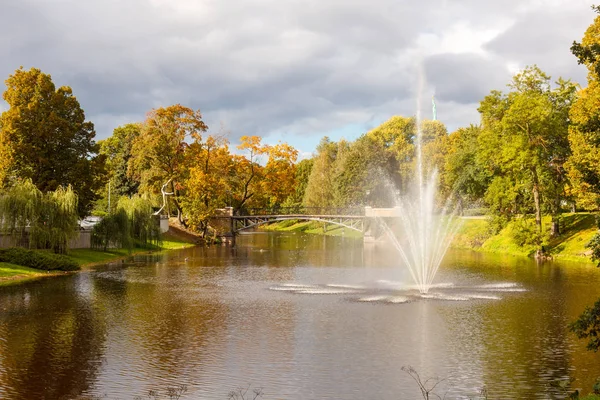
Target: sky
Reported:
point(289, 70)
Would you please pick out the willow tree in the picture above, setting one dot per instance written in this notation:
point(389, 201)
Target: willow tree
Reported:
point(143, 224)
point(51, 219)
point(130, 224)
point(20, 207)
point(58, 220)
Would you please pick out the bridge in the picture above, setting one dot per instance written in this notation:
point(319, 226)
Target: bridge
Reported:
point(355, 218)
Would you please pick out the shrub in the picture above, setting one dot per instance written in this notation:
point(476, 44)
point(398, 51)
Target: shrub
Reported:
point(524, 233)
point(38, 259)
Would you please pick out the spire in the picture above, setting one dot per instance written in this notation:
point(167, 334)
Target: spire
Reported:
point(434, 110)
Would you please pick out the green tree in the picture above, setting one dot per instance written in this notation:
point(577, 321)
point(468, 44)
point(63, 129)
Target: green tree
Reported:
point(51, 218)
point(117, 150)
point(320, 189)
point(462, 175)
point(46, 138)
point(303, 171)
point(360, 176)
point(588, 326)
point(395, 140)
point(130, 224)
point(524, 139)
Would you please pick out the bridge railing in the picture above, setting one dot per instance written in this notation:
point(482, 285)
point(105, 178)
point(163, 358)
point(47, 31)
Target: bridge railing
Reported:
point(358, 211)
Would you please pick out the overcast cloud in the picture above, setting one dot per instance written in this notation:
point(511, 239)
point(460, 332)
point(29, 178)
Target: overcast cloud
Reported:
point(288, 70)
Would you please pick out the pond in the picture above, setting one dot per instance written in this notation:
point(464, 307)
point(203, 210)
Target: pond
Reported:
point(300, 316)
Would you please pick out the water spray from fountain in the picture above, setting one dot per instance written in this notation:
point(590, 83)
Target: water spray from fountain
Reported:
point(425, 234)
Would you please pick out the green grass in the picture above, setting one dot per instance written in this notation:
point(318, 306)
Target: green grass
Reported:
point(12, 273)
point(471, 234)
point(173, 242)
point(313, 227)
point(93, 256)
point(576, 231)
point(8, 269)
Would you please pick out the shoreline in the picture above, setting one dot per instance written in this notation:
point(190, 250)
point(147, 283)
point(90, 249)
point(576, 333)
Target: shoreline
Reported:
point(475, 235)
point(85, 258)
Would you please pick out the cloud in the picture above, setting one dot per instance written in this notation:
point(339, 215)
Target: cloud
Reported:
point(465, 78)
point(288, 69)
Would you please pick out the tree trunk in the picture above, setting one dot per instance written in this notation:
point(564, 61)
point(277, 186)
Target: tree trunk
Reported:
point(555, 231)
point(537, 201)
point(539, 254)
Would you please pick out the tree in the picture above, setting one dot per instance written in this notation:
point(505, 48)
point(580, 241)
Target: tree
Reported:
point(395, 140)
point(303, 170)
point(360, 175)
point(246, 173)
point(279, 173)
point(117, 150)
point(524, 139)
point(319, 190)
point(158, 152)
point(130, 224)
point(588, 326)
point(207, 184)
point(462, 175)
point(46, 138)
point(584, 132)
point(51, 218)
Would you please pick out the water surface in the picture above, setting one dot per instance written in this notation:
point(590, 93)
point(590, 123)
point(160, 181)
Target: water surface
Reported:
point(303, 317)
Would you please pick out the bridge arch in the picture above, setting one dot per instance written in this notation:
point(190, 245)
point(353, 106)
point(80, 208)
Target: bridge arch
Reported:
point(354, 223)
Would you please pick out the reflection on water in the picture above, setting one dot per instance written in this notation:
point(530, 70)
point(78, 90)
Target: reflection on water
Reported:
point(300, 316)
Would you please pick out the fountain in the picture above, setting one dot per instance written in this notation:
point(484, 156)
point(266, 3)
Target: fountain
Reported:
point(425, 235)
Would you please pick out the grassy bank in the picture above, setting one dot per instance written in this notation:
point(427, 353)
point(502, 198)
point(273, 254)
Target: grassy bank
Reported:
point(576, 231)
point(9, 273)
point(476, 234)
point(89, 257)
point(13, 273)
point(314, 227)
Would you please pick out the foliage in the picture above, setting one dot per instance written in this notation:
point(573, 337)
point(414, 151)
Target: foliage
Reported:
point(463, 175)
point(207, 184)
point(45, 138)
point(524, 233)
point(524, 145)
point(158, 152)
point(117, 150)
point(584, 132)
point(112, 231)
point(38, 259)
point(131, 224)
point(588, 326)
point(50, 219)
point(246, 174)
point(303, 171)
point(319, 190)
point(594, 243)
point(19, 207)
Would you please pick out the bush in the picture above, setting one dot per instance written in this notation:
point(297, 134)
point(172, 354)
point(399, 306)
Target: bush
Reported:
point(38, 259)
point(524, 233)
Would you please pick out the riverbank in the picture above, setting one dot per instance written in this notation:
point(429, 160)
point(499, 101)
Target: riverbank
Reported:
point(11, 274)
point(576, 231)
point(312, 227)
point(476, 234)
